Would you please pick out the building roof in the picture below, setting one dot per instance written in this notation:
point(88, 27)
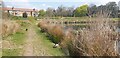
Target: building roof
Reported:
point(18, 9)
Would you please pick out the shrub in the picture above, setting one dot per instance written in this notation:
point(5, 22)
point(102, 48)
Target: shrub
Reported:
point(98, 40)
point(16, 18)
point(43, 25)
point(9, 27)
point(56, 31)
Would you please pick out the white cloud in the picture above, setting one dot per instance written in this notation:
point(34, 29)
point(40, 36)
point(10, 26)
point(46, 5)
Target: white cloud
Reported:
point(45, 5)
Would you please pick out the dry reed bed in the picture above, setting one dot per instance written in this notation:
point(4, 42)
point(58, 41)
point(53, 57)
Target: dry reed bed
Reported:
point(98, 40)
point(9, 27)
point(54, 30)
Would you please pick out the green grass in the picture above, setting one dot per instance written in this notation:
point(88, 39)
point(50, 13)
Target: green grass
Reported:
point(48, 44)
point(18, 38)
point(115, 19)
point(32, 19)
point(16, 18)
point(0, 52)
point(24, 25)
point(10, 52)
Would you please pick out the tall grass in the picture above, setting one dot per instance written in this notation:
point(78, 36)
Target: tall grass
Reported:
point(98, 40)
point(9, 27)
point(54, 31)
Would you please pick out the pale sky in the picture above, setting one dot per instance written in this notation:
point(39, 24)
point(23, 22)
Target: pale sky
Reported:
point(44, 4)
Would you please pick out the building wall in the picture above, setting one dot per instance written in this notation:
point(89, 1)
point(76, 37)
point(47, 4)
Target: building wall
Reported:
point(20, 13)
point(119, 5)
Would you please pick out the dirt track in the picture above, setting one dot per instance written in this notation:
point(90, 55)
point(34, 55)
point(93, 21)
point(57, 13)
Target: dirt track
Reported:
point(28, 48)
point(32, 46)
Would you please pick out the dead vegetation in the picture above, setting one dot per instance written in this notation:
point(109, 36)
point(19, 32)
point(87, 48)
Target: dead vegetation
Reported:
point(9, 27)
point(56, 32)
point(97, 40)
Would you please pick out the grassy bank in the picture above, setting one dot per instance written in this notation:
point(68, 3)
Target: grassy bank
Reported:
point(47, 44)
point(15, 40)
point(11, 52)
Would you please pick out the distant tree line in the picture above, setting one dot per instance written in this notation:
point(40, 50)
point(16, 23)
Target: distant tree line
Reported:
point(111, 8)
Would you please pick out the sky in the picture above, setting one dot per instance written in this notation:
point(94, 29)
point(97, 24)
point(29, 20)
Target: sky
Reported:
point(44, 4)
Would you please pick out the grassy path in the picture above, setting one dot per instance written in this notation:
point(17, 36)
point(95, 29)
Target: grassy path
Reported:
point(44, 47)
point(28, 46)
point(29, 43)
point(37, 44)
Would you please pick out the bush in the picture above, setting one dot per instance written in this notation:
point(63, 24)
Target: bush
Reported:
point(16, 18)
point(56, 31)
point(98, 40)
point(9, 27)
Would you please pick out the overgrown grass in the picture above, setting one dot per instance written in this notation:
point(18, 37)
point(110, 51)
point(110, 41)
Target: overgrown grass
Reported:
point(116, 19)
point(98, 40)
point(9, 27)
point(0, 52)
point(18, 39)
point(16, 18)
point(88, 41)
point(48, 44)
point(32, 19)
point(11, 52)
point(24, 24)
